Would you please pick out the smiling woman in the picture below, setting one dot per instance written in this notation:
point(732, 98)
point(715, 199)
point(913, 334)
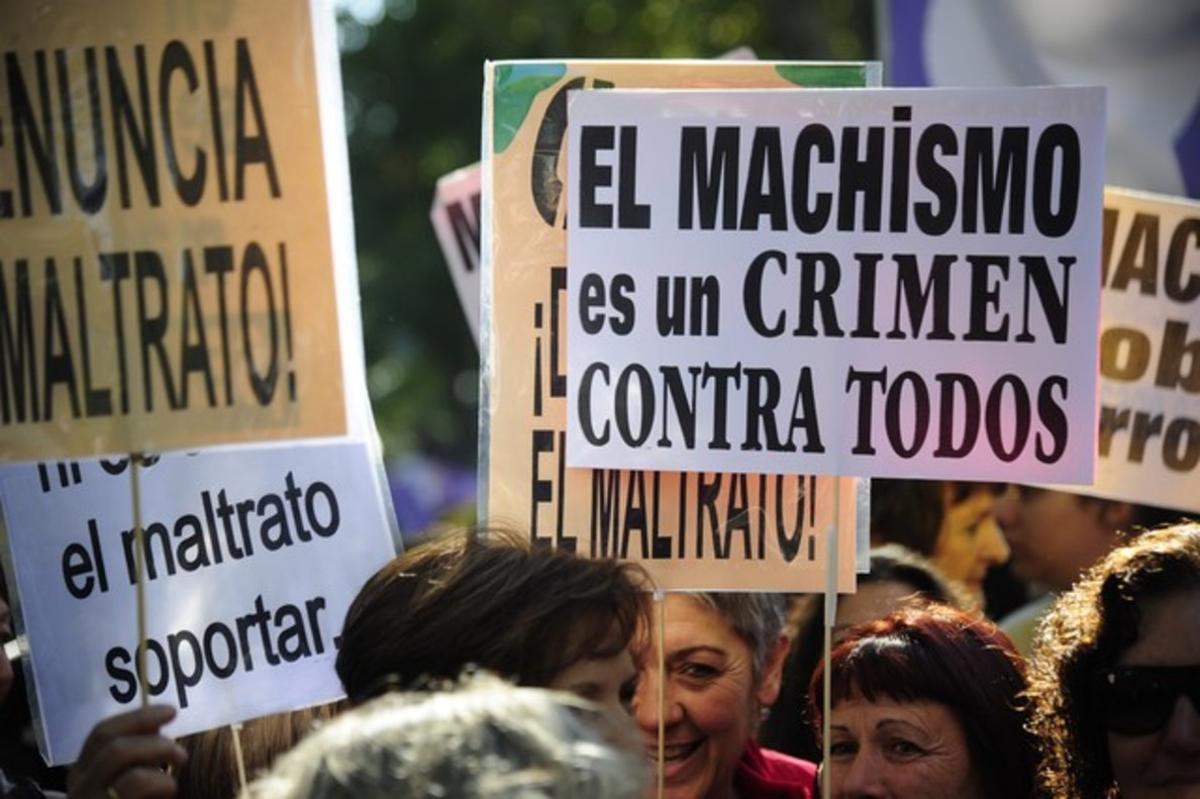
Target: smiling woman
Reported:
point(723, 656)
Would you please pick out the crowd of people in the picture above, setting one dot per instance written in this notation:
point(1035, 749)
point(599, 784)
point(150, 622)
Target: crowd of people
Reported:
point(475, 664)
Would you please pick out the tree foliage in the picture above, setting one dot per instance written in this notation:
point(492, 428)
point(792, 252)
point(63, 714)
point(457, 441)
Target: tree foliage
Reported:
point(413, 77)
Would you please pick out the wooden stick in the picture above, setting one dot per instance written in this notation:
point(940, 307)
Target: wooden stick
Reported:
point(831, 598)
point(661, 600)
point(236, 731)
point(139, 545)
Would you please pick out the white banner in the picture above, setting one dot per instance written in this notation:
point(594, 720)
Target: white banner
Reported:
point(859, 282)
point(252, 558)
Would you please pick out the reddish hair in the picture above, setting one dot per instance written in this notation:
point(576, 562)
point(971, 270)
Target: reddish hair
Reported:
point(939, 654)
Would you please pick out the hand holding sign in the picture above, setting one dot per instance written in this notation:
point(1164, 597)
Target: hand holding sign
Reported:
point(124, 756)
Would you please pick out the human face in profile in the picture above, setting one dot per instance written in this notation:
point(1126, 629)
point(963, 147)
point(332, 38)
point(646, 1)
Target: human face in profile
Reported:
point(898, 750)
point(608, 681)
point(1163, 763)
point(969, 541)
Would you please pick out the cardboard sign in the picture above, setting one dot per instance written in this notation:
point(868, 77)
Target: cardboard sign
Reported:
point(455, 217)
point(876, 283)
point(657, 518)
point(175, 241)
point(1149, 444)
point(252, 558)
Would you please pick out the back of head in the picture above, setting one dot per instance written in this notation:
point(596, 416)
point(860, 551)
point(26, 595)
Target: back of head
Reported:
point(210, 771)
point(1085, 631)
point(491, 600)
point(485, 739)
point(964, 662)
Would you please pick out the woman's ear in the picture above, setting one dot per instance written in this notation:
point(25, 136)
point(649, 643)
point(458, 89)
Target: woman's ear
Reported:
point(772, 673)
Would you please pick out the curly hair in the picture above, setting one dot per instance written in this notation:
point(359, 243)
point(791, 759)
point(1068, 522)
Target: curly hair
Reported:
point(1087, 630)
point(483, 737)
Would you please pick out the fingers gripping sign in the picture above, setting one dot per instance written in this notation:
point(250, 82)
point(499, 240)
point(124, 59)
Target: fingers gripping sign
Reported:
point(125, 756)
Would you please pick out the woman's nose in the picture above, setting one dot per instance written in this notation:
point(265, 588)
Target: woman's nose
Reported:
point(1182, 736)
point(860, 778)
point(647, 700)
point(991, 543)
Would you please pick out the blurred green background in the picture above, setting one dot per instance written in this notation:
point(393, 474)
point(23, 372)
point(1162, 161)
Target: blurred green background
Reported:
point(413, 77)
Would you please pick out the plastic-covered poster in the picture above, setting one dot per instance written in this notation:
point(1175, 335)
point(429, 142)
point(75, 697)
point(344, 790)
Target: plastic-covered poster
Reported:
point(176, 252)
point(692, 530)
point(1149, 434)
point(251, 558)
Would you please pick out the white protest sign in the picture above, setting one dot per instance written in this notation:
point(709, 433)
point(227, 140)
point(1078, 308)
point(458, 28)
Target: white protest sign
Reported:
point(890, 283)
point(1149, 443)
point(252, 558)
point(455, 217)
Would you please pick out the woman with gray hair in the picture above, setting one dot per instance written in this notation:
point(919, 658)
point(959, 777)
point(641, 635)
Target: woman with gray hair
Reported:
point(483, 738)
point(721, 661)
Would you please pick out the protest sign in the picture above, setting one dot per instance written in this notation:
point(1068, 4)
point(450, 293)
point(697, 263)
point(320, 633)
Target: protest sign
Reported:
point(897, 283)
point(689, 530)
point(455, 217)
point(1149, 443)
point(176, 262)
point(251, 559)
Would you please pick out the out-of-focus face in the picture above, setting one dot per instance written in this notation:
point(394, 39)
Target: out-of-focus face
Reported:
point(1164, 764)
point(711, 698)
point(1054, 536)
point(969, 541)
point(870, 602)
point(898, 750)
point(607, 681)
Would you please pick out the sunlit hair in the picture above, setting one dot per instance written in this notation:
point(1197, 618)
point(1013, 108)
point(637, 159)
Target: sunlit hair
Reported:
point(1086, 630)
point(963, 662)
point(485, 738)
point(489, 599)
point(757, 618)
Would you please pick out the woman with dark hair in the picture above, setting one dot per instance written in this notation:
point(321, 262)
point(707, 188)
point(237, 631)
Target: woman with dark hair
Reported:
point(1115, 678)
point(950, 522)
point(897, 577)
point(925, 704)
point(536, 616)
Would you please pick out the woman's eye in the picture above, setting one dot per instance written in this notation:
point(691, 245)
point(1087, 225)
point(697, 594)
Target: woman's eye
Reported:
point(842, 749)
point(904, 748)
point(699, 671)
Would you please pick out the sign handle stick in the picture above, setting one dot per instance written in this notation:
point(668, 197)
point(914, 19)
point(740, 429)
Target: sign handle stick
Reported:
point(660, 600)
point(831, 597)
point(139, 546)
point(236, 731)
